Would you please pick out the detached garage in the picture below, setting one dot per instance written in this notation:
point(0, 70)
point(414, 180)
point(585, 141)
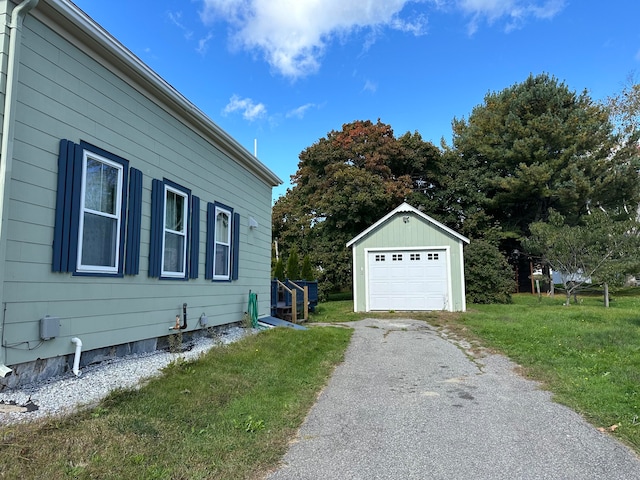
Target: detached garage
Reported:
point(408, 261)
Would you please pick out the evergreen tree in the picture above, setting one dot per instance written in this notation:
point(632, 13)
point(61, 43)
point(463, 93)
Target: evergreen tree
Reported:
point(293, 266)
point(307, 269)
point(278, 271)
point(538, 146)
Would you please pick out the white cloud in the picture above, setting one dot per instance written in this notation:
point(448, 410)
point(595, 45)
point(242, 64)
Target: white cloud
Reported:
point(203, 44)
point(300, 111)
point(293, 35)
point(370, 86)
point(250, 111)
point(514, 12)
point(176, 19)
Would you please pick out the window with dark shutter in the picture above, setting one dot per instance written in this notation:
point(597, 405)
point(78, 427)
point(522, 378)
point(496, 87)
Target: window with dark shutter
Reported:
point(174, 242)
point(223, 243)
point(92, 211)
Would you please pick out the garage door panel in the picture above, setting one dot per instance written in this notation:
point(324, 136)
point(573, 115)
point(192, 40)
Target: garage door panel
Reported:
point(402, 280)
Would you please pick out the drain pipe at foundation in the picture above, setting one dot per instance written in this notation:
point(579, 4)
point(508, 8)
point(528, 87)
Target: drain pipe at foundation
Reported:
point(76, 359)
point(177, 326)
point(6, 149)
point(184, 317)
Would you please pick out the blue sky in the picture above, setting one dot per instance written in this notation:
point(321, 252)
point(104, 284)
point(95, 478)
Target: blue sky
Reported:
point(287, 72)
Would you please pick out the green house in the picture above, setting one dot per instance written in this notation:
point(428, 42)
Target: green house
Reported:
point(408, 261)
point(126, 213)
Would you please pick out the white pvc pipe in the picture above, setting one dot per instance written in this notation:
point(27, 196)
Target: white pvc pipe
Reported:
point(76, 359)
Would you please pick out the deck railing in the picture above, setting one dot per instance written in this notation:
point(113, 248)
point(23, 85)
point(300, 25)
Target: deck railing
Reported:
point(292, 291)
point(305, 299)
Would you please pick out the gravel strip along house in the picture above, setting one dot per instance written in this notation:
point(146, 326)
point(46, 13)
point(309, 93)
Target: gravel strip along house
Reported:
point(126, 213)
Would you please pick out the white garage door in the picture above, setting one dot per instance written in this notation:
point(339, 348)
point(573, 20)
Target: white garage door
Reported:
point(408, 280)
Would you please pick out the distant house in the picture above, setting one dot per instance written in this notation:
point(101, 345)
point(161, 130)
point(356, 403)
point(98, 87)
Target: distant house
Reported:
point(124, 209)
point(408, 261)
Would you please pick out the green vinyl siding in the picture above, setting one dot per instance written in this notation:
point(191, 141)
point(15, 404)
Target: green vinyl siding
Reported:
point(64, 93)
point(395, 233)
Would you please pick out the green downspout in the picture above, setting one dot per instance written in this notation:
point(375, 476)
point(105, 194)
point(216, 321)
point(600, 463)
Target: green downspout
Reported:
point(6, 149)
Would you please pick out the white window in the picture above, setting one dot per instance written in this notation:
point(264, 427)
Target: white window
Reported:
point(222, 244)
point(174, 241)
point(100, 215)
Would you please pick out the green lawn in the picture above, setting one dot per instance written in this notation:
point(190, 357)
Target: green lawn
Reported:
point(229, 415)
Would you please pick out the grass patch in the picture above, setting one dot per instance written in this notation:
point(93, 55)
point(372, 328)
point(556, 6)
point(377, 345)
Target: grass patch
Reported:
point(587, 355)
point(229, 414)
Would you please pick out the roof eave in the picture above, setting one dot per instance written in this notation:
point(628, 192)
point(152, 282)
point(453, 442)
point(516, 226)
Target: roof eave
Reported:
point(405, 207)
point(64, 13)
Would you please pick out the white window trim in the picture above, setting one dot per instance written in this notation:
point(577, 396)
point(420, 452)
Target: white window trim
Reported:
point(185, 211)
point(228, 244)
point(118, 216)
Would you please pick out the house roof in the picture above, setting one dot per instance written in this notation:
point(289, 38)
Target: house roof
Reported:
point(63, 15)
point(406, 208)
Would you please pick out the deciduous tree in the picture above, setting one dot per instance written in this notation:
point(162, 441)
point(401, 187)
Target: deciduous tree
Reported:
point(600, 250)
point(344, 183)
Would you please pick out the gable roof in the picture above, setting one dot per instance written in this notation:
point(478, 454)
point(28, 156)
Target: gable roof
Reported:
point(84, 32)
point(404, 208)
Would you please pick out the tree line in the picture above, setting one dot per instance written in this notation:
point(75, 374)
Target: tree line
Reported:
point(532, 161)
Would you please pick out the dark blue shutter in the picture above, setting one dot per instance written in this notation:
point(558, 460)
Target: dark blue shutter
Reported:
point(211, 224)
point(235, 248)
point(76, 195)
point(63, 211)
point(65, 235)
point(134, 219)
point(194, 239)
point(155, 240)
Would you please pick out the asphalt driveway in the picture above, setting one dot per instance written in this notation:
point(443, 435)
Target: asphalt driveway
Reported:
point(410, 404)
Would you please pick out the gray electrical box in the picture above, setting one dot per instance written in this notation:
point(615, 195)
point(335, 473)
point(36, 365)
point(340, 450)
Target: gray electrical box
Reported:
point(49, 327)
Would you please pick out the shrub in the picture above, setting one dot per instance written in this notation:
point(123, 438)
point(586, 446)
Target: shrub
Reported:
point(489, 277)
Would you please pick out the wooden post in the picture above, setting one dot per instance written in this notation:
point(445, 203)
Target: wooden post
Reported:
point(294, 306)
point(305, 297)
point(606, 295)
point(531, 277)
